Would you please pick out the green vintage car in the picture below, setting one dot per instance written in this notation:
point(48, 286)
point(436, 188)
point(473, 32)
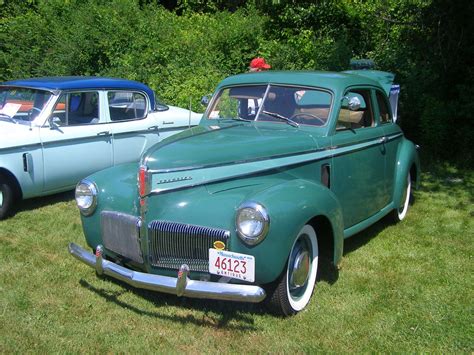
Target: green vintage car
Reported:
point(248, 205)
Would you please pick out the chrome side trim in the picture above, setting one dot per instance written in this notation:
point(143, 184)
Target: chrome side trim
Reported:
point(250, 167)
point(373, 141)
point(146, 131)
point(166, 284)
point(97, 137)
point(23, 148)
point(394, 136)
point(234, 162)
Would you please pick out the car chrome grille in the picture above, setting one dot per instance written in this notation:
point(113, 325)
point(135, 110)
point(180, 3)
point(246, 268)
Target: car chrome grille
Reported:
point(173, 244)
point(121, 234)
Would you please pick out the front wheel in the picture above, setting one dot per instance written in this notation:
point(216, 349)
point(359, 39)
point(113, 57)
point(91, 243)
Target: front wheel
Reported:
point(6, 198)
point(295, 287)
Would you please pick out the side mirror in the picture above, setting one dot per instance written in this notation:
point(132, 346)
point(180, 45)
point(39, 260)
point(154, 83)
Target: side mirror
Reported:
point(352, 103)
point(205, 100)
point(54, 122)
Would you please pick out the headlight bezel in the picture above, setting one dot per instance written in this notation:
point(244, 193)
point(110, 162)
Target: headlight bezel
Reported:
point(92, 187)
point(260, 210)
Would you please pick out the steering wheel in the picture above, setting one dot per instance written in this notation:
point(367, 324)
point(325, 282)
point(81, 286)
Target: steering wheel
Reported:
point(32, 110)
point(302, 115)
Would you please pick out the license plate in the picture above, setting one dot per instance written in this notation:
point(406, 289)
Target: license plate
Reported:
point(229, 264)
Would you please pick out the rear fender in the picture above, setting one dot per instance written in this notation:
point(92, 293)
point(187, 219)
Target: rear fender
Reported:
point(407, 161)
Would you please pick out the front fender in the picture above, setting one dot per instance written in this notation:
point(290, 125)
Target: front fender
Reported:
point(117, 187)
point(291, 205)
point(407, 161)
point(24, 165)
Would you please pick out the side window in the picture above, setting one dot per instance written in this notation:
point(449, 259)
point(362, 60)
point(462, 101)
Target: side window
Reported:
point(360, 118)
point(77, 108)
point(126, 105)
point(384, 112)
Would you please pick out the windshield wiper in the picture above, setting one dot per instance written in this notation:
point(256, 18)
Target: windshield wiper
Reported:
point(280, 117)
point(234, 119)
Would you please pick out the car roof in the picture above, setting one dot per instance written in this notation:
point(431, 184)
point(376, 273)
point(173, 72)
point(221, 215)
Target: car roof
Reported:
point(323, 79)
point(81, 83)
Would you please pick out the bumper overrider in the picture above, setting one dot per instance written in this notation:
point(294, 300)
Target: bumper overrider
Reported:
point(180, 286)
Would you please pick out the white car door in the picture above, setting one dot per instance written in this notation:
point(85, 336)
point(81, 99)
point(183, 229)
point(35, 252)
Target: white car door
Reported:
point(77, 141)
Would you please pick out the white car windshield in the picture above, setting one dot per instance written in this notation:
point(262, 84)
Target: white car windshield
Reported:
point(22, 105)
point(293, 105)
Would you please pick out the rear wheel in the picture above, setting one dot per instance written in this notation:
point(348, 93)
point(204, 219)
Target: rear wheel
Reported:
point(6, 197)
point(296, 285)
point(400, 213)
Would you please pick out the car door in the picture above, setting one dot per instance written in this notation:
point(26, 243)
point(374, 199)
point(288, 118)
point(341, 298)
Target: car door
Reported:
point(358, 164)
point(393, 137)
point(76, 141)
point(134, 129)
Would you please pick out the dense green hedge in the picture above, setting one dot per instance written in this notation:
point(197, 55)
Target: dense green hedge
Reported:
point(182, 49)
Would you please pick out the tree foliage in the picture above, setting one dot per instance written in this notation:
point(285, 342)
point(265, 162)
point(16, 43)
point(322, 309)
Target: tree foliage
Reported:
point(183, 48)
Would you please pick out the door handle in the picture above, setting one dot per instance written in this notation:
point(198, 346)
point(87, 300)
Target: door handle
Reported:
point(104, 133)
point(383, 140)
point(153, 128)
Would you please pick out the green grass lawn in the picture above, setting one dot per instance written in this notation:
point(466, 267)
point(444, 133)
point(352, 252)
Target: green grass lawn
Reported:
point(404, 288)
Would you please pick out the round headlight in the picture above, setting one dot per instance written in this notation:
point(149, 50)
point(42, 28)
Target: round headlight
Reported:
point(86, 197)
point(252, 222)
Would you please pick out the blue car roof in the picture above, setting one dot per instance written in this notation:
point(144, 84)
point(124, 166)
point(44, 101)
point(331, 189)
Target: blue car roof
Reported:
point(82, 82)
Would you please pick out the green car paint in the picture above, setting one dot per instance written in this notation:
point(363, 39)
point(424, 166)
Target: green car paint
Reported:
point(347, 178)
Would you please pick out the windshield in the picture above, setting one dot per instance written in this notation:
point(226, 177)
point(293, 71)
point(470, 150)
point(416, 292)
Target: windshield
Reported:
point(21, 105)
point(294, 105)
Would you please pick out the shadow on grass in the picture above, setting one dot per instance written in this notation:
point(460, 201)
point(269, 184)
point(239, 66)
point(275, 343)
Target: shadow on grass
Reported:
point(39, 202)
point(364, 237)
point(217, 314)
point(443, 178)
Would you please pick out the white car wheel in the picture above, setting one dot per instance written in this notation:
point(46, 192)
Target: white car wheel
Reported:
point(295, 288)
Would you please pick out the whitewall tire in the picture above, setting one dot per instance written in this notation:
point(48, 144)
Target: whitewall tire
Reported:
point(295, 287)
point(400, 213)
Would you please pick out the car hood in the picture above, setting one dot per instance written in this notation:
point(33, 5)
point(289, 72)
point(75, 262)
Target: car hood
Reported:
point(178, 117)
point(226, 144)
point(16, 134)
point(208, 154)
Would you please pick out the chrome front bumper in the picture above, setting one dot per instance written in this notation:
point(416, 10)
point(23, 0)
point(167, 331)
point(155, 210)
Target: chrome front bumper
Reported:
point(180, 286)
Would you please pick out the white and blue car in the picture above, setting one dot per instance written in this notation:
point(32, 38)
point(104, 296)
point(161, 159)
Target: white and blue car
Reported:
point(55, 131)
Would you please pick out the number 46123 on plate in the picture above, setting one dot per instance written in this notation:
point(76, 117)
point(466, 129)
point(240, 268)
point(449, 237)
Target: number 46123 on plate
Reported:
point(229, 264)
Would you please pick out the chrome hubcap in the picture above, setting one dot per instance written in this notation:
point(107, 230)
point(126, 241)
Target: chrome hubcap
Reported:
point(1, 198)
point(300, 265)
point(300, 273)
